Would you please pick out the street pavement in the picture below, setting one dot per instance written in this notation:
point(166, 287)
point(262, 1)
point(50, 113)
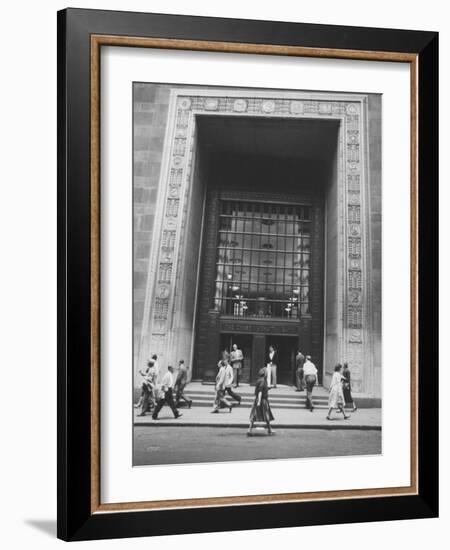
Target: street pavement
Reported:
point(159, 444)
point(288, 408)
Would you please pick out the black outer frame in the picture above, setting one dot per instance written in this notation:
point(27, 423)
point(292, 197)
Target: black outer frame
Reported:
point(75, 521)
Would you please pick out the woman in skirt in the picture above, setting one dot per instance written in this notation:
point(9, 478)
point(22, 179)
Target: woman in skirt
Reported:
point(348, 388)
point(260, 411)
point(336, 398)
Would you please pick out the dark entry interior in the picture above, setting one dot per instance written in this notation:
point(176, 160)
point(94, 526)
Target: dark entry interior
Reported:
point(287, 347)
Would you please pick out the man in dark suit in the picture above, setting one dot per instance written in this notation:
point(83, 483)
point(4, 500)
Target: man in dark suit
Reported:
point(272, 363)
point(180, 384)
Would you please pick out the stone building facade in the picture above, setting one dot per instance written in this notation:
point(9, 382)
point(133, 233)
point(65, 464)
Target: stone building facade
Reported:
point(197, 148)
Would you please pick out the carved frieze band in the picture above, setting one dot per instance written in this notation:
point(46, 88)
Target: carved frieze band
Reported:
point(354, 228)
point(348, 112)
point(173, 208)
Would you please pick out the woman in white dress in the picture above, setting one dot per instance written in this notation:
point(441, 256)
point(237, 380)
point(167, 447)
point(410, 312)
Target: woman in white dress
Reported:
point(336, 398)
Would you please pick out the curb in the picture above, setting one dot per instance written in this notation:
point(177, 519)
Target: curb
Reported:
point(328, 426)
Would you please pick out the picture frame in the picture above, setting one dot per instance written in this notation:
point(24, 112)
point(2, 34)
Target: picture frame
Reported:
point(81, 35)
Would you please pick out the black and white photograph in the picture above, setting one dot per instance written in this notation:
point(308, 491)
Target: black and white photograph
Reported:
point(257, 276)
point(221, 266)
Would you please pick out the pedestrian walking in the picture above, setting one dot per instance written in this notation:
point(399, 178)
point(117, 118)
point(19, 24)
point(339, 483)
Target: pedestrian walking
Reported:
point(180, 385)
point(220, 400)
point(299, 373)
point(147, 400)
point(260, 411)
point(154, 358)
point(229, 378)
point(347, 388)
point(166, 396)
point(310, 374)
point(143, 373)
point(236, 359)
point(336, 397)
point(272, 363)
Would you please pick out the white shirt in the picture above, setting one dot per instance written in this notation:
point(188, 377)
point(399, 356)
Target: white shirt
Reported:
point(167, 381)
point(229, 376)
point(271, 354)
point(220, 378)
point(309, 368)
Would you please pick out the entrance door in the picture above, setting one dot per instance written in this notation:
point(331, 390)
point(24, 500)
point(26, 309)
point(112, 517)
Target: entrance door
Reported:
point(287, 349)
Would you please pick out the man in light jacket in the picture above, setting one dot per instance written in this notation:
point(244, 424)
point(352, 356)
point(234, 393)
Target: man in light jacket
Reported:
point(236, 359)
point(310, 374)
point(272, 363)
point(229, 377)
point(221, 400)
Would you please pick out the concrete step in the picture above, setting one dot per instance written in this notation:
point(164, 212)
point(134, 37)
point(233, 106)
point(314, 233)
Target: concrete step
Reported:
point(248, 401)
point(279, 399)
point(294, 398)
point(284, 397)
point(248, 405)
point(285, 394)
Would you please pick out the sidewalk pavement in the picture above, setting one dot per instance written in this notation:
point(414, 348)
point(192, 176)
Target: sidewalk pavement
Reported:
point(288, 408)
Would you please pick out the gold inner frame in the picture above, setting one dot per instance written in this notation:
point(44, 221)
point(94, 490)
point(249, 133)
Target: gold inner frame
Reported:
point(97, 41)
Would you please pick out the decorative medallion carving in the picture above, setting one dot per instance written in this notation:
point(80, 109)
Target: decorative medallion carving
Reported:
point(268, 106)
point(355, 336)
point(240, 105)
point(184, 103)
point(297, 107)
point(163, 291)
point(324, 108)
point(354, 230)
point(211, 104)
point(355, 263)
point(171, 224)
point(177, 161)
point(352, 108)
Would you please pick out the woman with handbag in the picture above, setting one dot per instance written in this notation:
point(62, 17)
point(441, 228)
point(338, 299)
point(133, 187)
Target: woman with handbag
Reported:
point(261, 411)
point(336, 398)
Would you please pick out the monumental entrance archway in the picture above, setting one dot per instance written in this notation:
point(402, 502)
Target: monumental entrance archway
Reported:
point(172, 307)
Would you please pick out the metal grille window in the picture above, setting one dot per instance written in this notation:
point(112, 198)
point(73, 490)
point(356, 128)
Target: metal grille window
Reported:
point(263, 259)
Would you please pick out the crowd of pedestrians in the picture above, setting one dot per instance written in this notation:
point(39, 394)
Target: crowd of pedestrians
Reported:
point(157, 391)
